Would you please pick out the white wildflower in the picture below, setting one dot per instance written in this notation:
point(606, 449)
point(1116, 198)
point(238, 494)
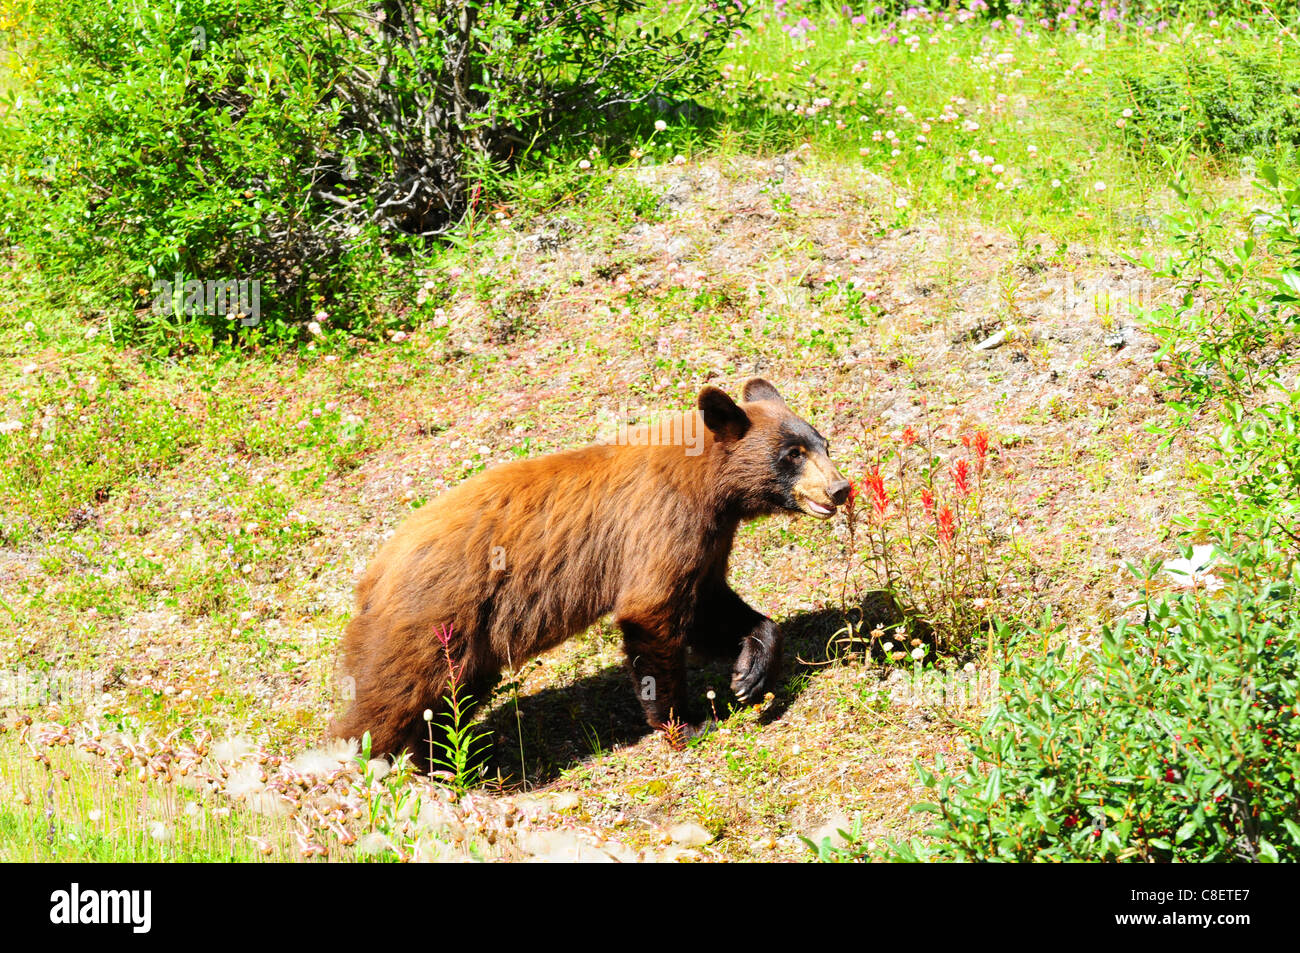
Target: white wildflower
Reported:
point(1194, 573)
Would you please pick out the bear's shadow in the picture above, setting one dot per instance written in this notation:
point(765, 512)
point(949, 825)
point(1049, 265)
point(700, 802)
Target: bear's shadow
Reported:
point(560, 727)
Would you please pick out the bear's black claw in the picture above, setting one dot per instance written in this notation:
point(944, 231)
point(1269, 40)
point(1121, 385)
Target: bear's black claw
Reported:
point(756, 663)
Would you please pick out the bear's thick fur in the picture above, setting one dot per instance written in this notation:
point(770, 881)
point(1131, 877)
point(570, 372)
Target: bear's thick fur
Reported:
point(519, 558)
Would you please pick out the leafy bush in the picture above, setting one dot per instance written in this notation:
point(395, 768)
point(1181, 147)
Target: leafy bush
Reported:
point(166, 141)
point(445, 91)
point(1229, 104)
point(239, 140)
point(1177, 739)
point(1227, 343)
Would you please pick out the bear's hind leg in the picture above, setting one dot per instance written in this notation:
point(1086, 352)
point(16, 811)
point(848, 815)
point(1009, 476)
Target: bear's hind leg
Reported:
point(656, 656)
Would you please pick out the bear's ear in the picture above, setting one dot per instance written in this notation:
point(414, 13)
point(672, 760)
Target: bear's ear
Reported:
point(758, 389)
point(722, 415)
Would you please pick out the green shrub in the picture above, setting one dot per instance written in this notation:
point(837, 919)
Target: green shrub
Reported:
point(1177, 739)
point(240, 140)
point(166, 141)
point(446, 92)
point(1229, 104)
point(1227, 344)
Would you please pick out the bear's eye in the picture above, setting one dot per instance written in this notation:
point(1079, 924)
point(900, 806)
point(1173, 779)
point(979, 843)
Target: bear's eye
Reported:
point(794, 454)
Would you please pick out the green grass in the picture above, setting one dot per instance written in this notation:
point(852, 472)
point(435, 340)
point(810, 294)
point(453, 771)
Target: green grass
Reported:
point(1056, 115)
point(74, 811)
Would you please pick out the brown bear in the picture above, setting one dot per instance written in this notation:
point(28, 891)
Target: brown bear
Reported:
point(525, 555)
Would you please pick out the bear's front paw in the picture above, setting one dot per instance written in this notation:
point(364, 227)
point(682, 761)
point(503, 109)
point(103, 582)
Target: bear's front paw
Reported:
point(757, 665)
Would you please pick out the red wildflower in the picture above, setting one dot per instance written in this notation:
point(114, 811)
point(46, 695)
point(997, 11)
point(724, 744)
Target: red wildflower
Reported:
point(909, 436)
point(947, 525)
point(876, 488)
point(927, 501)
point(981, 449)
point(965, 440)
point(961, 476)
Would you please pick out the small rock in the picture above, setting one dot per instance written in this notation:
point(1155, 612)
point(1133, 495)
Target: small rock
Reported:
point(994, 341)
point(1011, 332)
point(689, 834)
point(676, 854)
point(831, 831)
point(678, 247)
point(1118, 338)
point(561, 847)
point(564, 801)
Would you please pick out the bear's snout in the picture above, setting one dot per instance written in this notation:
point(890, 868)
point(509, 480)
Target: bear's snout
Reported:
point(839, 491)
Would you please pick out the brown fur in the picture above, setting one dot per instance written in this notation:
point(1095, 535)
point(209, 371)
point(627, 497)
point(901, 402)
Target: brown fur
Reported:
point(643, 532)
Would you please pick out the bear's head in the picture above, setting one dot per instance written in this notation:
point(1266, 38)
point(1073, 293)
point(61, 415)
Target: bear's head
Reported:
point(775, 460)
